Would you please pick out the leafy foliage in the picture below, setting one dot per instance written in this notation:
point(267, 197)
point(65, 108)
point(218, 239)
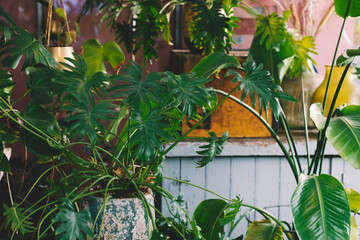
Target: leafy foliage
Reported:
point(316, 204)
point(259, 83)
point(6, 27)
point(210, 30)
point(17, 219)
point(264, 229)
point(342, 9)
point(24, 43)
point(212, 149)
point(354, 200)
point(207, 215)
point(72, 225)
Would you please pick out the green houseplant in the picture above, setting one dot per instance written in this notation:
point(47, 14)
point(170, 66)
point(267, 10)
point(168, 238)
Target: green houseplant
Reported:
point(72, 124)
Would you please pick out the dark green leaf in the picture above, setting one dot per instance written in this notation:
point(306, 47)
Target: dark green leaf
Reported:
point(214, 63)
point(342, 9)
point(158, 236)
point(17, 220)
point(264, 230)
point(73, 225)
point(212, 149)
point(259, 84)
point(6, 84)
point(320, 208)
point(40, 84)
point(4, 162)
point(24, 43)
point(207, 215)
point(343, 60)
point(6, 27)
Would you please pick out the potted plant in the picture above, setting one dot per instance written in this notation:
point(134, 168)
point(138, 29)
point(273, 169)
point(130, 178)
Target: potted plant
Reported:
point(101, 135)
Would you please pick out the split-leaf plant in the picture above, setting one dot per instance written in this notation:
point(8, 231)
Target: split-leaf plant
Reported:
point(320, 205)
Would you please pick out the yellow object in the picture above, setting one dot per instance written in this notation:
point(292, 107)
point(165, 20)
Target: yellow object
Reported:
point(60, 53)
point(348, 93)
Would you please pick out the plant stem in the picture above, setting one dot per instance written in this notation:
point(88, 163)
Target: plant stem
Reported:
point(271, 130)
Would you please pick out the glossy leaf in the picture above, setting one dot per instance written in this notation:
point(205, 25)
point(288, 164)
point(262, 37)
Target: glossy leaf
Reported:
point(73, 225)
point(6, 27)
point(212, 149)
point(264, 230)
point(354, 200)
point(320, 208)
point(22, 44)
point(6, 84)
point(214, 63)
point(207, 215)
point(341, 7)
point(95, 56)
point(344, 134)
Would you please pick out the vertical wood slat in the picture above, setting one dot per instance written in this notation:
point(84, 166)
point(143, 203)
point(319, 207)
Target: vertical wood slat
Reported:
point(262, 181)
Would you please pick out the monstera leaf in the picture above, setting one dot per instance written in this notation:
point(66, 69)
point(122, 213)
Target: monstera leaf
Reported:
point(320, 208)
point(39, 82)
point(73, 225)
point(6, 28)
point(212, 149)
point(95, 55)
point(22, 44)
point(6, 84)
point(343, 132)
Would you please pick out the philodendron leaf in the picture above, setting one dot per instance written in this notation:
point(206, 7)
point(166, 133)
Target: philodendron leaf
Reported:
point(354, 200)
point(212, 149)
point(341, 7)
point(320, 208)
point(264, 230)
point(95, 55)
point(207, 215)
point(22, 44)
point(17, 220)
point(73, 225)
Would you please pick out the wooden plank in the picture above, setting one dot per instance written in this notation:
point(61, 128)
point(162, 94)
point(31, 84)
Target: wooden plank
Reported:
point(243, 184)
point(218, 177)
point(193, 175)
point(171, 169)
point(267, 185)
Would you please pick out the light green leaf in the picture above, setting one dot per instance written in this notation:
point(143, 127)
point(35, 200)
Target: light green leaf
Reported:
point(264, 230)
point(61, 13)
point(354, 229)
point(341, 7)
point(72, 225)
point(320, 208)
point(207, 215)
point(95, 55)
point(354, 200)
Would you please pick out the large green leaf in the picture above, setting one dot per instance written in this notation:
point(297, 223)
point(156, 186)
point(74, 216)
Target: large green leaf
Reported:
point(207, 215)
point(258, 83)
point(320, 208)
point(213, 63)
point(341, 7)
point(22, 44)
point(212, 149)
point(264, 230)
point(354, 199)
point(73, 225)
point(95, 55)
point(343, 132)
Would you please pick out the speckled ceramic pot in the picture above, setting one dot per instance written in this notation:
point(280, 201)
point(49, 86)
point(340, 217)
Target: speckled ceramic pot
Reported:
point(125, 219)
